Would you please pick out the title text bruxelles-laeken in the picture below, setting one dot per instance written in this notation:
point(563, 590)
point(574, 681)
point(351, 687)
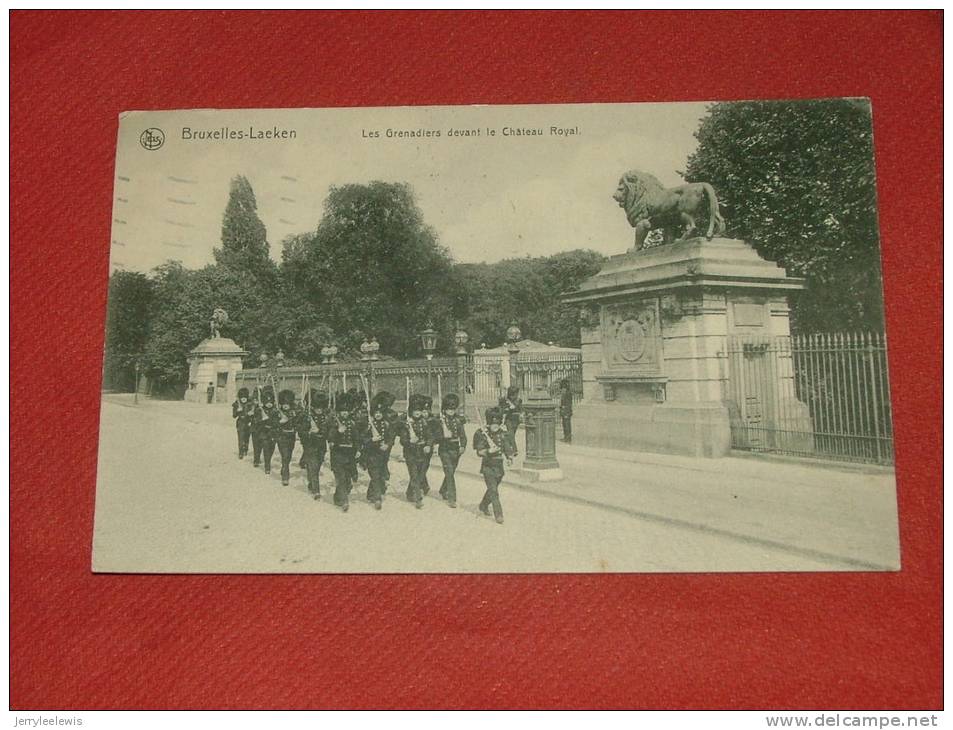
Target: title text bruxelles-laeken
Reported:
point(252, 133)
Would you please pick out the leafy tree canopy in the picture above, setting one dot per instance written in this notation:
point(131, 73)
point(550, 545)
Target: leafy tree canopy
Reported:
point(796, 180)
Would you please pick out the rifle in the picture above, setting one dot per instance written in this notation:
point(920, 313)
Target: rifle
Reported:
point(375, 434)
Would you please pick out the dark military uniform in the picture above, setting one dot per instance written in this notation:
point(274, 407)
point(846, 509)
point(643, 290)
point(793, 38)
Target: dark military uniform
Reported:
point(415, 438)
point(312, 430)
point(243, 411)
point(265, 429)
point(378, 442)
point(565, 410)
point(345, 438)
point(449, 433)
point(289, 418)
point(512, 410)
point(492, 446)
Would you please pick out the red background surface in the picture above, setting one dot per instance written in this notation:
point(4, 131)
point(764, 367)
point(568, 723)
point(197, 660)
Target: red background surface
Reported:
point(796, 641)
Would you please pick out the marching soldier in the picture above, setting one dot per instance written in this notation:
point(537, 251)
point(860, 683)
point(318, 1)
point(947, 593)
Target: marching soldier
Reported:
point(243, 411)
point(345, 439)
point(512, 411)
point(358, 400)
point(378, 441)
point(492, 447)
point(312, 432)
point(288, 421)
point(385, 401)
point(415, 438)
point(451, 438)
point(264, 428)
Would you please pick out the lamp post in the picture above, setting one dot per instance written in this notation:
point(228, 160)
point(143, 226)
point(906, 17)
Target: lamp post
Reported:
point(369, 349)
point(135, 397)
point(428, 340)
point(273, 366)
point(513, 335)
point(460, 340)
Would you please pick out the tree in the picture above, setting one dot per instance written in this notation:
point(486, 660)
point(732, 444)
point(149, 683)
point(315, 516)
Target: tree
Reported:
point(372, 267)
point(127, 327)
point(244, 239)
point(258, 317)
point(796, 180)
point(526, 291)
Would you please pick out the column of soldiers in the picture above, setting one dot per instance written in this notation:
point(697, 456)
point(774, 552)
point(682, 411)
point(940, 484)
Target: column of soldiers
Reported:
point(349, 431)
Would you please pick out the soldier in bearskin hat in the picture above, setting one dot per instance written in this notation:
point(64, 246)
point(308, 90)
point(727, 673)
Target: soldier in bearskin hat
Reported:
point(345, 438)
point(264, 428)
point(243, 410)
point(314, 441)
point(288, 421)
point(449, 433)
point(378, 441)
point(415, 437)
point(492, 447)
point(511, 407)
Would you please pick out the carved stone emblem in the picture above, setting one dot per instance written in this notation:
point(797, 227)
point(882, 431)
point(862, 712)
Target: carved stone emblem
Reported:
point(631, 336)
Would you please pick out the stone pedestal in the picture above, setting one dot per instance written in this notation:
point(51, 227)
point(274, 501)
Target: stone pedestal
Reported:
point(655, 330)
point(217, 361)
point(540, 464)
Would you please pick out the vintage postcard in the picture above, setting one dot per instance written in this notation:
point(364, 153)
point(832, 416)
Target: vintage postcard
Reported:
point(484, 339)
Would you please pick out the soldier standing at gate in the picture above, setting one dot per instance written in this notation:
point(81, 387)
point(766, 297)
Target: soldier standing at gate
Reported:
point(512, 410)
point(243, 411)
point(415, 438)
point(288, 422)
point(378, 441)
point(565, 409)
point(492, 447)
point(266, 423)
point(312, 432)
point(344, 438)
point(449, 433)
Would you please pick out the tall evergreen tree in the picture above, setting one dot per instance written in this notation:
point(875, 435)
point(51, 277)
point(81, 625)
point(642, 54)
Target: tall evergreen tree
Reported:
point(244, 239)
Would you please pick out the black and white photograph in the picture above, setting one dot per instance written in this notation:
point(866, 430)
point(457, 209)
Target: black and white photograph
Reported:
point(581, 338)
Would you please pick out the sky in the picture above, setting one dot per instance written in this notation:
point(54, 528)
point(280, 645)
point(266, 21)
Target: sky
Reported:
point(487, 197)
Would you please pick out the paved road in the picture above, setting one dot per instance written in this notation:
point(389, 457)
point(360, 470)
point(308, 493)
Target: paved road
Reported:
point(173, 497)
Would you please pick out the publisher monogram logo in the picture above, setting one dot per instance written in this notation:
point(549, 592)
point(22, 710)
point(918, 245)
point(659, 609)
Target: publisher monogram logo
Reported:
point(152, 139)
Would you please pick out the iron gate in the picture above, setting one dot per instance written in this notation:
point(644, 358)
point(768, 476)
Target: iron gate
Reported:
point(824, 395)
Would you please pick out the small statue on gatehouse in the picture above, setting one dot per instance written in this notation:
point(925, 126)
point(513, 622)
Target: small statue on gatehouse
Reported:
point(219, 320)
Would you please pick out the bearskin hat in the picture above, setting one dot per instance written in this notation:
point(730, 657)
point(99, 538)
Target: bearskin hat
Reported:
point(426, 402)
point(268, 394)
point(494, 415)
point(318, 399)
point(417, 402)
point(382, 401)
point(243, 392)
point(512, 391)
point(342, 402)
point(451, 401)
point(286, 396)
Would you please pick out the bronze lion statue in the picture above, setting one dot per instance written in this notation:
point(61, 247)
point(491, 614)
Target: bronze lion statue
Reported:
point(649, 205)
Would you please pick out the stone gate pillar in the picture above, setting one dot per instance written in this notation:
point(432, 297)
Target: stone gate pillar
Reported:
point(655, 326)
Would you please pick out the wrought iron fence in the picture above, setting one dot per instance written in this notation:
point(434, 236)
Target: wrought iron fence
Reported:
point(400, 377)
point(824, 395)
point(546, 370)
